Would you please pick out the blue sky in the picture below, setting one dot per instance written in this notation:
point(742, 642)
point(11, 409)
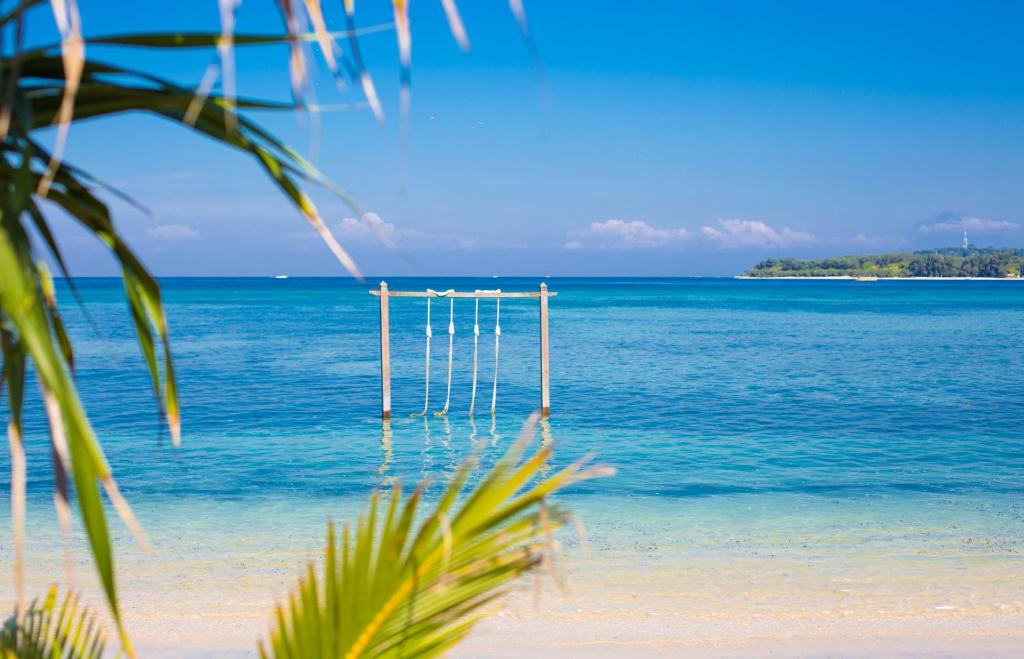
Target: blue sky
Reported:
point(670, 138)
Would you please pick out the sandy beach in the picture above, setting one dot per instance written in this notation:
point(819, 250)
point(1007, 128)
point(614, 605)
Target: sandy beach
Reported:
point(732, 578)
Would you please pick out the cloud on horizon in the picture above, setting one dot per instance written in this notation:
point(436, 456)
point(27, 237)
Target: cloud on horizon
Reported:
point(620, 234)
point(371, 228)
point(729, 234)
point(950, 222)
point(734, 233)
point(173, 232)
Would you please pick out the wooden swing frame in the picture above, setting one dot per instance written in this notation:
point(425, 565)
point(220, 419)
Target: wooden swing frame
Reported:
point(385, 337)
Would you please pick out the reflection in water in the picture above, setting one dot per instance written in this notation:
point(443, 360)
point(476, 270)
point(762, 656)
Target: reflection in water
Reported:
point(428, 460)
point(494, 431)
point(386, 441)
point(447, 432)
point(472, 435)
point(545, 441)
point(442, 446)
point(453, 458)
point(545, 433)
point(386, 447)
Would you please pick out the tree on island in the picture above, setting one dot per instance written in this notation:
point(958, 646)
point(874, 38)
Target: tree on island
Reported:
point(1000, 263)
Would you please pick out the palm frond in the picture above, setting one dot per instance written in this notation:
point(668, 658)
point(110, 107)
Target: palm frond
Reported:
point(178, 40)
point(18, 11)
point(14, 379)
point(57, 85)
point(56, 627)
point(329, 48)
point(394, 588)
point(27, 320)
point(403, 31)
point(72, 49)
point(458, 29)
point(32, 325)
point(365, 81)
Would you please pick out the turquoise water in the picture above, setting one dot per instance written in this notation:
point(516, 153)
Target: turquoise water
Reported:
point(691, 387)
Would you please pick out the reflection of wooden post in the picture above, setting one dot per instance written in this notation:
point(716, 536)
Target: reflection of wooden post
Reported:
point(545, 386)
point(385, 354)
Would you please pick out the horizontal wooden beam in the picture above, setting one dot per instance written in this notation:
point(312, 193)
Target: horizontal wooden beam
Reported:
point(482, 294)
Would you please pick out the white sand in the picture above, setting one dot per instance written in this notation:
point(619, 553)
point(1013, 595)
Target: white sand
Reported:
point(729, 577)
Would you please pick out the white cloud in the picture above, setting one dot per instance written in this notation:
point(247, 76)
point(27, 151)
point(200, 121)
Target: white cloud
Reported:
point(754, 233)
point(371, 228)
point(966, 223)
point(619, 234)
point(173, 232)
point(879, 241)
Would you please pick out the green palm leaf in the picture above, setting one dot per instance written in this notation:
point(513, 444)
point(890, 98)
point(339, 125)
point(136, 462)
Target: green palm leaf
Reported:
point(393, 588)
point(56, 627)
point(58, 85)
point(29, 319)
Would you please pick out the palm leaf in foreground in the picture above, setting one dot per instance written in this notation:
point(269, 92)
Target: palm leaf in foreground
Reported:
point(393, 590)
point(31, 329)
point(56, 628)
point(57, 85)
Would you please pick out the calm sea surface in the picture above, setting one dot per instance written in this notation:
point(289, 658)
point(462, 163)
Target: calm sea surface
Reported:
point(691, 387)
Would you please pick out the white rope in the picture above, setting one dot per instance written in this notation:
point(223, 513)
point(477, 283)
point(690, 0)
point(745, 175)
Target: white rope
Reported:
point(497, 345)
point(426, 384)
point(451, 339)
point(476, 339)
point(476, 336)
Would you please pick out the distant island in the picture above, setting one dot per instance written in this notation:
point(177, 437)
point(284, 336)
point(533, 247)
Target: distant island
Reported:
point(958, 263)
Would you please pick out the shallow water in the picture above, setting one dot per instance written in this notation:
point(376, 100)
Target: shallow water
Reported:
point(829, 431)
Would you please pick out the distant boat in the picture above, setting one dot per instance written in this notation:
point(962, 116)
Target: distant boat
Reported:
point(868, 278)
point(280, 276)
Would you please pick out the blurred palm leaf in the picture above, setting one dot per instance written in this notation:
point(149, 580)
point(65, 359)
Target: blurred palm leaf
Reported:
point(58, 85)
point(57, 627)
point(30, 324)
point(393, 589)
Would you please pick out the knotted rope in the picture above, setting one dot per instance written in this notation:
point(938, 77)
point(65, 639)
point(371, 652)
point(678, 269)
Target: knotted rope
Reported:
point(426, 386)
point(451, 339)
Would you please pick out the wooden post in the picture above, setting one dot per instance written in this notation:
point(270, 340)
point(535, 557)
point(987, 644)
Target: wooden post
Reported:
point(545, 385)
point(385, 354)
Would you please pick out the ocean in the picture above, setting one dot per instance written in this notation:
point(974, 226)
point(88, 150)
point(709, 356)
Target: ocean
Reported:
point(822, 446)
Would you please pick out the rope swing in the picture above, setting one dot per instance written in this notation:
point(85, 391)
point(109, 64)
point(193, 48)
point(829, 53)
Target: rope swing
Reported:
point(497, 345)
point(426, 385)
point(476, 338)
point(451, 339)
point(541, 296)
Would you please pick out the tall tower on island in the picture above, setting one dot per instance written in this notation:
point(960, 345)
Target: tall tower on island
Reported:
point(966, 244)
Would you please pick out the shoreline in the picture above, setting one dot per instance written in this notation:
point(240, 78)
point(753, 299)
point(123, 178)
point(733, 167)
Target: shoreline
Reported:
point(853, 278)
point(720, 576)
